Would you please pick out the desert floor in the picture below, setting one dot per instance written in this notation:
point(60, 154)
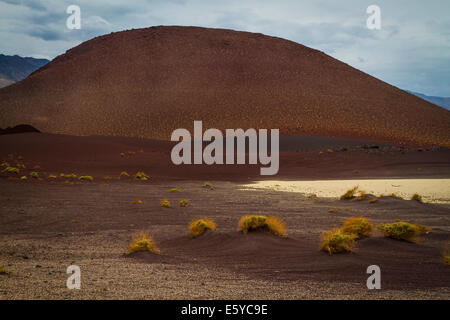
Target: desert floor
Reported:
point(47, 225)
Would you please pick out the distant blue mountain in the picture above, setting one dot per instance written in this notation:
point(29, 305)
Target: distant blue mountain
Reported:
point(15, 68)
point(439, 101)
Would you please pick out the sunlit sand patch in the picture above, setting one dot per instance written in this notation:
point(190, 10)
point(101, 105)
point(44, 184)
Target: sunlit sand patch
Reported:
point(431, 190)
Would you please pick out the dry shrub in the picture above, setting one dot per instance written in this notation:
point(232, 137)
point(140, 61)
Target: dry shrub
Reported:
point(34, 174)
point(359, 226)
point(199, 226)
point(143, 242)
point(184, 202)
point(401, 230)
point(336, 241)
point(165, 203)
point(254, 222)
point(138, 201)
point(208, 185)
point(86, 178)
point(417, 197)
point(176, 189)
point(124, 174)
point(373, 200)
point(350, 194)
point(3, 271)
point(141, 176)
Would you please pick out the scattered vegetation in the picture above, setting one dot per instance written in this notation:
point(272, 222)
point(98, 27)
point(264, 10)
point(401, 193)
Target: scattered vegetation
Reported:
point(401, 230)
point(138, 201)
point(198, 227)
point(361, 196)
point(417, 197)
point(141, 176)
point(34, 175)
point(51, 176)
point(208, 185)
point(69, 176)
point(23, 178)
point(358, 226)
point(20, 166)
point(4, 164)
point(86, 178)
point(143, 242)
point(122, 154)
point(373, 200)
point(258, 222)
point(165, 203)
point(350, 194)
point(184, 202)
point(330, 150)
point(3, 271)
point(336, 241)
point(176, 189)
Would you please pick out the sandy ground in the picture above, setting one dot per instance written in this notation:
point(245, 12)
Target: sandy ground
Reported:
point(47, 225)
point(431, 190)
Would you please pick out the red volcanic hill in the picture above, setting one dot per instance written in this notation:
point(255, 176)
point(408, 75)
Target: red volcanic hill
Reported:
point(148, 82)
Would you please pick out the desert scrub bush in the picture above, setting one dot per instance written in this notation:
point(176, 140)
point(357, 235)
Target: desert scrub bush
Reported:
point(20, 166)
point(34, 175)
point(86, 178)
point(373, 200)
point(122, 154)
point(199, 226)
point(258, 222)
point(138, 201)
point(358, 226)
point(208, 185)
point(165, 203)
point(350, 194)
point(417, 197)
point(401, 230)
point(5, 164)
point(361, 196)
point(336, 241)
point(23, 178)
point(143, 242)
point(184, 202)
point(176, 189)
point(51, 176)
point(141, 176)
point(11, 170)
point(124, 174)
point(3, 271)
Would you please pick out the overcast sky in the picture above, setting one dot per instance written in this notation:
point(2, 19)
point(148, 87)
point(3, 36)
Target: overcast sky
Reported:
point(411, 51)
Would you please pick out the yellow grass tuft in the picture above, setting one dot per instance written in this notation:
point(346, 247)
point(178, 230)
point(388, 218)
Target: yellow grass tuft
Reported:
point(184, 203)
point(138, 201)
point(51, 176)
point(358, 226)
point(176, 189)
point(86, 178)
point(165, 203)
point(3, 271)
point(198, 227)
point(143, 242)
point(330, 150)
point(11, 170)
point(254, 222)
point(349, 194)
point(208, 185)
point(141, 176)
point(124, 174)
point(373, 200)
point(23, 178)
point(69, 175)
point(336, 241)
point(401, 230)
point(34, 175)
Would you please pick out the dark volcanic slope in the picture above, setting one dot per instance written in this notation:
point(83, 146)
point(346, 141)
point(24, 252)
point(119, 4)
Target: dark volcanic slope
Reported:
point(148, 82)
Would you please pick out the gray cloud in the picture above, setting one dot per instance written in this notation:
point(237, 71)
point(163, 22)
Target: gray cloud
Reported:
point(411, 51)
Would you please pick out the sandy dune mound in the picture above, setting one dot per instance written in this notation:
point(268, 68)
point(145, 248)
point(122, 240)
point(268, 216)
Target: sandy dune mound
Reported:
point(148, 82)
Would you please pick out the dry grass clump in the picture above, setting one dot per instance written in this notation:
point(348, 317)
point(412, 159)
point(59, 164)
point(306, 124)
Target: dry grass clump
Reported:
point(124, 174)
point(23, 178)
point(34, 175)
point(361, 196)
point(11, 170)
point(336, 241)
point(165, 203)
point(184, 202)
point(68, 176)
point(401, 230)
point(3, 271)
point(208, 185)
point(358, 226)
point(373, 200)
point(176, 189)
point(141, 176)
point(143, 242)
point(350, 194)
point(198, 227)
point(138, 201)
point(52, 176)
point(86, 178)
point(254, 222)
point(417, 197)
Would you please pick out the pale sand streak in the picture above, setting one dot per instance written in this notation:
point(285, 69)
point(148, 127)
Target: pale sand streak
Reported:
point(431, 190)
